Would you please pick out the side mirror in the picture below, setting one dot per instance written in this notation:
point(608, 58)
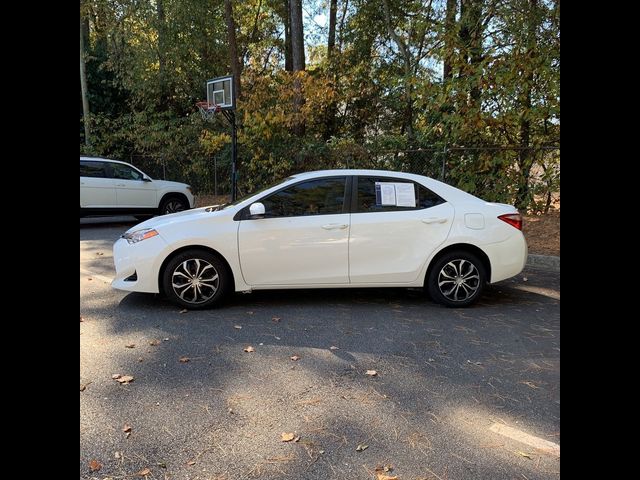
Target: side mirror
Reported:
point(145, 178)
point(256, 210)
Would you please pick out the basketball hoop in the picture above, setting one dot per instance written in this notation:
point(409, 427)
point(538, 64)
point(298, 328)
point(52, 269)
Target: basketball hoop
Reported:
point(207, 110)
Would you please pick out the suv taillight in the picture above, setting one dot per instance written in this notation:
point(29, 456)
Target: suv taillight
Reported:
point(513, 219)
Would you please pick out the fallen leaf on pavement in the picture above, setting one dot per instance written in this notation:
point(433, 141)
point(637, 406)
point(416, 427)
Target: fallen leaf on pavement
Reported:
point(523, 454)
point(184, 359)
point(287, 437)
point(333, 347)
point(238, 327)
point(191, 462)
point(276, 319)
point(295, 358)
point(384, 476)
point(184, 310)
point(89, 278)
point(383, 468)
point(83, 386)
point(116, 376)
point(249, 349)
point(144, 472)
point(126, 428)
point(130, 345)
point(125, 379)
point(118, 455)
point(371, 373)
point(95, 465)
point(361, 448)
point(99, 253)
point(154, 342)
point(81, 319)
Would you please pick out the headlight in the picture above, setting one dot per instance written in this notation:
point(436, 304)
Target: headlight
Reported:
point(139, 235)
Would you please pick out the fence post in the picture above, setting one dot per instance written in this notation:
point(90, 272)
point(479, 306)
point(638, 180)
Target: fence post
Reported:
point(444, 161)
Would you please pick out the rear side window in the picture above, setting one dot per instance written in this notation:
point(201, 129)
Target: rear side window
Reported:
point(384, 194)
point(323, 196)
point(93, 169)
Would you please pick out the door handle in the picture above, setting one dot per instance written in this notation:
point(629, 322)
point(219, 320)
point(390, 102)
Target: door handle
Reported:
point(81, 183)
point(335, 226)
point(120, 184)
point(434, 220)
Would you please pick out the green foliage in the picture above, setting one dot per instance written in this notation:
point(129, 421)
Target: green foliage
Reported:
point(359, 108)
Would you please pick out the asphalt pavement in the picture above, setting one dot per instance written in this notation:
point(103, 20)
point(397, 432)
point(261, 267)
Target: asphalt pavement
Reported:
point(458, 393)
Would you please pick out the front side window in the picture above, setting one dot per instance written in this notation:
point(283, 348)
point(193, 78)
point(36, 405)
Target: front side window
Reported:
point(323, 196)
point(384, 194)
point(125, 172)
point(93, 169)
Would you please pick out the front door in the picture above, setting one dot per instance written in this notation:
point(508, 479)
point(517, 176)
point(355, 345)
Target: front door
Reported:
point(302, 239)
point(131, 188)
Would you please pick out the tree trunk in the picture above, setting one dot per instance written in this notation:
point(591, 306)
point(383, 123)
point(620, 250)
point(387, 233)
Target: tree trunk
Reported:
point(83, 86)
point(408, 72)
point(471, 31)
point(234, 61)
point(449, 39)
point(297, 50)
point(332, 108)
point(288, 60)
point(331, 42)
point(525, 160)
point(162, 55)
point(297, 36)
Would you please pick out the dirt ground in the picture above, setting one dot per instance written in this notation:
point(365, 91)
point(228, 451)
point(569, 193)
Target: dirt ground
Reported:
point(541, 231)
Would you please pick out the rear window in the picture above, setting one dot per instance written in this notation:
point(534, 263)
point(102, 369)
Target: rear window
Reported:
point(93, 169)
point(373, 197)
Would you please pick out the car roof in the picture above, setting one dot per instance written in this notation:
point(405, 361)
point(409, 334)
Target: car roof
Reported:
point(102, 159)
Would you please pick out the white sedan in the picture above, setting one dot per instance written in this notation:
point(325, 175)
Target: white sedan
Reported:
point(327, 229)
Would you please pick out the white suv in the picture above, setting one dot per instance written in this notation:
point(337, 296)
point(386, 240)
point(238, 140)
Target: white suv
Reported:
point(111, 187)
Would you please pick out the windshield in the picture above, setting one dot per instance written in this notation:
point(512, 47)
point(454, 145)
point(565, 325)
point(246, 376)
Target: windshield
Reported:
point(239, 200)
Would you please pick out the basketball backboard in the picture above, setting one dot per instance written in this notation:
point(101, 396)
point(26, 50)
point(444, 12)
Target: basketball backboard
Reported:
point(220, 92)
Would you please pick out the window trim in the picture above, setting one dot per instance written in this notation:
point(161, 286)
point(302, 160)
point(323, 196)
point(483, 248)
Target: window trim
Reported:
point(354, 197)
point(243, 214)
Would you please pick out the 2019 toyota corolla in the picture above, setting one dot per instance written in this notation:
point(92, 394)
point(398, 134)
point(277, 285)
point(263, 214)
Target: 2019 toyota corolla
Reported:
point(327, 229)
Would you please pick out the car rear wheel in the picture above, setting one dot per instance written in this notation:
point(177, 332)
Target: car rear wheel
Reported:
point(173, 205)
point(456, 279)
point(196, 279)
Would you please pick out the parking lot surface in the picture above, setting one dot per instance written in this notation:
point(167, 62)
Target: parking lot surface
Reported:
point(457, 393)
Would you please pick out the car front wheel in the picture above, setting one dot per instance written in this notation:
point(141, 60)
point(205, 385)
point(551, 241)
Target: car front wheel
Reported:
point(196, 279)
point(456, 279)
point(173, 205)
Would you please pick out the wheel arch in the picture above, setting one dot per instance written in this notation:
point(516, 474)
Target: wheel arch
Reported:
point(465, 247)
point(178, 251)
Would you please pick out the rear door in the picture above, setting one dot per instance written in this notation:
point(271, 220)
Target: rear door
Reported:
point(302, 239)
point(131, 190)
point(97, 189)
point(395, 226)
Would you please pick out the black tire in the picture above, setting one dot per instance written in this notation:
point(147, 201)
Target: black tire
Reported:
point(173, 204)
point(463, 272)
point(202, 293)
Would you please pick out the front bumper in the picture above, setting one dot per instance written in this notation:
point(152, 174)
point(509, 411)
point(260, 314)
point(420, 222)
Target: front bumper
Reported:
point(141, 259)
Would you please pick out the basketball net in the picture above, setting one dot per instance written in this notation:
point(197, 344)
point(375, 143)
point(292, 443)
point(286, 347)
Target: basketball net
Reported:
point(207, 110)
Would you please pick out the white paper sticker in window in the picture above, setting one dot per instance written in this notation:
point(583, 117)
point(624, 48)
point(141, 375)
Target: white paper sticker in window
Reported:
point(385, 193)
point(395, 194)
point(405, 195)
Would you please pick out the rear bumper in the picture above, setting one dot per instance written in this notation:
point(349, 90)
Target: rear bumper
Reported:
point(507, 258)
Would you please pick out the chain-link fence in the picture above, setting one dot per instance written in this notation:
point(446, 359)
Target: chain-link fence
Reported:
point(515, 175)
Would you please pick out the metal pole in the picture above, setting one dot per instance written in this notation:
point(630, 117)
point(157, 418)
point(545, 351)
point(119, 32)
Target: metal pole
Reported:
point(234, 156)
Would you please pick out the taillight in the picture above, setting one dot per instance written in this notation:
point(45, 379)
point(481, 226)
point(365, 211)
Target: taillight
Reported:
point(513, 219)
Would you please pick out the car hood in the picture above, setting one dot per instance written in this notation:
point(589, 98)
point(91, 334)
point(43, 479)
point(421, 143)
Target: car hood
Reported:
point(161, 184)
point(179, 217)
